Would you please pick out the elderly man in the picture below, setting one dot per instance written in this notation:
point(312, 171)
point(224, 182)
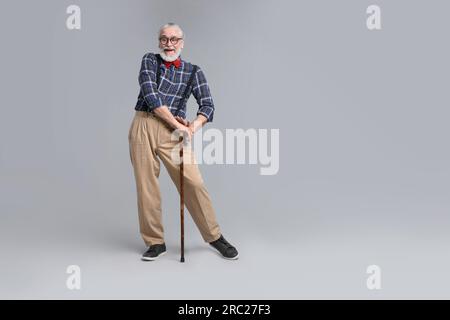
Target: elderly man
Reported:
point(166, 82)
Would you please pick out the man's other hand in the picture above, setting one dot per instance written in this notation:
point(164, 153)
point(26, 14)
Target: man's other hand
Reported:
point(184, 122)
point(186, 131)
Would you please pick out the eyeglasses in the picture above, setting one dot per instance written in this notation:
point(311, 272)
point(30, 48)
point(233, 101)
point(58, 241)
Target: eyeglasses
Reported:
point(173, 40)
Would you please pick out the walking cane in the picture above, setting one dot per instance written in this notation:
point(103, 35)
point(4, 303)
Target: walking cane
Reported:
point(182, 198)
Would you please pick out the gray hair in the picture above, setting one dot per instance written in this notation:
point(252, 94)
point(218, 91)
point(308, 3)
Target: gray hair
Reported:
point(170, 24)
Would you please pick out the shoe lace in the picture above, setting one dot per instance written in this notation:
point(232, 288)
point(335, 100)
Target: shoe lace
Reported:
point(226, 243)
point(152, 248)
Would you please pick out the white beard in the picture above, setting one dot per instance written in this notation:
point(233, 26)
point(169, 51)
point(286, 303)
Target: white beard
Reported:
point(170, 58)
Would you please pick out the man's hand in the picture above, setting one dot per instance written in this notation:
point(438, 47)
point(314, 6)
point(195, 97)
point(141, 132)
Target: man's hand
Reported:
point(186, 131)
point(197, 123)
point(186, 127)
point(184, 122)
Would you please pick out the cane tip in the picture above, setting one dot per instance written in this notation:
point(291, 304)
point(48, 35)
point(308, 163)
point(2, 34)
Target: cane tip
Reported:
point(182, 259)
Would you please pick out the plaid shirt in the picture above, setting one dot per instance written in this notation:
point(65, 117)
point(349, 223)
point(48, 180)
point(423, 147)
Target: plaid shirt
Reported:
point(171, 87)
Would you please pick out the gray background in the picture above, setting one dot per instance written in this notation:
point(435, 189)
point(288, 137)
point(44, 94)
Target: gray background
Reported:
point(363, 179)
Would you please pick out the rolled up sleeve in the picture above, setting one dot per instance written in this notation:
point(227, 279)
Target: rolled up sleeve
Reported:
point(202, 94)
point(147, 82)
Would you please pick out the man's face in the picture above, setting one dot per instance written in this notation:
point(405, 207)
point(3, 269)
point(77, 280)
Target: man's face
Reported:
point(170, 43)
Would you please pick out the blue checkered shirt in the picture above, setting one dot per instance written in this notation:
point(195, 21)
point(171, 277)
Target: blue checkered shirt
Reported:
point(172, 84)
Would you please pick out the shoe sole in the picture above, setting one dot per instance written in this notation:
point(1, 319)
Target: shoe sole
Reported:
point(153, 258)
point(218, 252)
point(234, 258)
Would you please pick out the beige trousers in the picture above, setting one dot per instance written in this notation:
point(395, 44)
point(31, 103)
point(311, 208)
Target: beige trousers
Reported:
point(149, 141)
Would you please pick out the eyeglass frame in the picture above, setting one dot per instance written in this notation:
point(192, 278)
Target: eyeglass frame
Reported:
point(169, 39)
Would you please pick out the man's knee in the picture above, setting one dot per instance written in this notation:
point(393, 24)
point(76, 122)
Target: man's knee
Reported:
point(195, 183)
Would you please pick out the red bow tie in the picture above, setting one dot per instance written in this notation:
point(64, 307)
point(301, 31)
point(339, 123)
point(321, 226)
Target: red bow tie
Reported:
point(176, 63)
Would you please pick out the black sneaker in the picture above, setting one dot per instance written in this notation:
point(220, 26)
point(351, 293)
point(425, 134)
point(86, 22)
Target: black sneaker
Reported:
point(154, 251)
point(225, 248)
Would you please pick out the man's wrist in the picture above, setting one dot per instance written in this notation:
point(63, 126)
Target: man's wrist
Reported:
point(193, 125)
point(178, 125)
point(198, 122)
